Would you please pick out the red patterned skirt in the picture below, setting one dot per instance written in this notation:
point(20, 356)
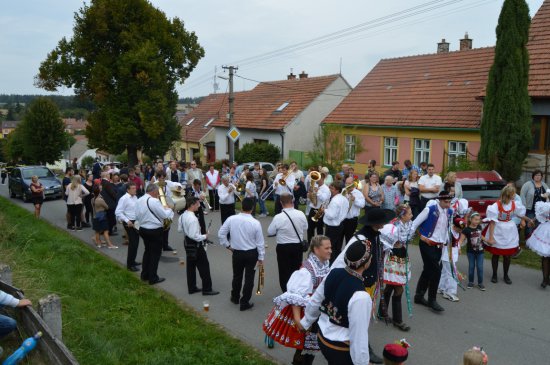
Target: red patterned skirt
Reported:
point(280, 326)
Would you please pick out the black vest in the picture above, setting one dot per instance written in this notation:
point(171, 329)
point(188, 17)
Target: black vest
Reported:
point(339, 288)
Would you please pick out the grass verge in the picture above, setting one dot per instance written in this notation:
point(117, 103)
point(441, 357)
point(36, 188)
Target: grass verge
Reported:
point(109, 315)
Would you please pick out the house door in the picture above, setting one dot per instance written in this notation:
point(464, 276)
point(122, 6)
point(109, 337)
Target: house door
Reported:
point(210, 154)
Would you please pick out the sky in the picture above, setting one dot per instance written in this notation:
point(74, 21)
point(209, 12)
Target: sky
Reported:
point(237, 32)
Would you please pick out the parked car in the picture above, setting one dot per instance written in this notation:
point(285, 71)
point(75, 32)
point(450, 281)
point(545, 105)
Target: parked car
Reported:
point(20, 181)
point(268, 166)
point(480, 188)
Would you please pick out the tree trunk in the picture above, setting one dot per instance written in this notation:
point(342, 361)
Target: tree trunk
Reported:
point(132, 155)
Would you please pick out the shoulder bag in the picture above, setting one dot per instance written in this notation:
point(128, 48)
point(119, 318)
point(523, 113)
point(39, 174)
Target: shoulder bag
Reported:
point(305, 243)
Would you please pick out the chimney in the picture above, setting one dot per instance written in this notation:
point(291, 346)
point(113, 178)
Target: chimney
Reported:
point(443, 47)
point(291, 76)
point(466, 43)
point(303, 75)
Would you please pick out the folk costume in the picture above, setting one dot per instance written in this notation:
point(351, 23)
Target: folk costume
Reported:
point(280, 325)
point(448, 283)
point(505, 233)
point(539, 241)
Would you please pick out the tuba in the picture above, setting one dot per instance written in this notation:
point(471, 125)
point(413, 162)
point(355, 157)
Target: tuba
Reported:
point(178, 197)
point(314, 176)
point(167, 222)
point(261, 279)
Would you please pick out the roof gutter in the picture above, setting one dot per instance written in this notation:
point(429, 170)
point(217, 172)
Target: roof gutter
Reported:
point(282, 133)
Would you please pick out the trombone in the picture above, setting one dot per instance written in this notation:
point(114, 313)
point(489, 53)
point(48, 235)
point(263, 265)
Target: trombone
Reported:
point(347, 192)
point(261, 279)
point(237, 190)
point(281, 181)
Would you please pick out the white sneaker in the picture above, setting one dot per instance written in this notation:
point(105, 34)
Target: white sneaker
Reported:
point(262, 216)
point(205, 212)
point(439, 291)
point(451, 297)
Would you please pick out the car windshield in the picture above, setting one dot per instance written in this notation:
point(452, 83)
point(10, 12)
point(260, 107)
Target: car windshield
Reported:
point(41, 172)
point(481, 192)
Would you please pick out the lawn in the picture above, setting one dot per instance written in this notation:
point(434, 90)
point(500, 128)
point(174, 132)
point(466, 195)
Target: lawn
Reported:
point(109, 315)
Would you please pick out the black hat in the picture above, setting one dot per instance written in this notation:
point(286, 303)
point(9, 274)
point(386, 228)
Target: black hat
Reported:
point(357, 254)
point(444, 195)
point(377, 216)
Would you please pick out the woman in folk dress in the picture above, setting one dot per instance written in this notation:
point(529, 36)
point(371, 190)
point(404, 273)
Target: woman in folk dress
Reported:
point(539, 241)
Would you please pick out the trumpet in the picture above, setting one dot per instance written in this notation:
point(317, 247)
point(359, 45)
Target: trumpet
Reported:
point(261, 279)
point(202, 197)
point(314, 176)
point(319, 214)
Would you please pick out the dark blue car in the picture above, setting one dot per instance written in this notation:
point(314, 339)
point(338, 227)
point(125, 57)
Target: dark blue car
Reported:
point(20, 181)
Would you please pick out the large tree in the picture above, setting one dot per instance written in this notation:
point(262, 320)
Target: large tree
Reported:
point(42, 133)
point(125, 56)
point(506, 123)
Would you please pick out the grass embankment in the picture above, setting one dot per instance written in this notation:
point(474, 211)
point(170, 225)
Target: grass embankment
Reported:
point(109, 315)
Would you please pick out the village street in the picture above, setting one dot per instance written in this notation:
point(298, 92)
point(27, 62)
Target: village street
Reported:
point(510, 322)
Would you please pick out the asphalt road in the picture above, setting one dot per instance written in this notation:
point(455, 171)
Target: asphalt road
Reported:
point(511, 322)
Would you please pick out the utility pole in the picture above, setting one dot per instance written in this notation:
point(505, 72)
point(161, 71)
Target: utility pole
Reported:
point(231, 69)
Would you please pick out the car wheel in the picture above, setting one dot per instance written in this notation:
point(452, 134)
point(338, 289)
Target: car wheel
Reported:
point(12, 194)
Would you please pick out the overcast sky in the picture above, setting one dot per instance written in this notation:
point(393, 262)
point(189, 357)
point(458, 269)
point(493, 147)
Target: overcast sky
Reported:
point(240, 29)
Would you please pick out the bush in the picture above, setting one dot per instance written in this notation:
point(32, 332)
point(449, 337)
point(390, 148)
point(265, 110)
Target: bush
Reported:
point(264, 152)
point(87, 162)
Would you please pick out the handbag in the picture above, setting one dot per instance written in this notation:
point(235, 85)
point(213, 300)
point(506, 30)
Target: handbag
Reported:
point(101, 216)
point(305, 243)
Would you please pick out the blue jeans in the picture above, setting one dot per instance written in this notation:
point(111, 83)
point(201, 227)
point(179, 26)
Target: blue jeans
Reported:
point(7, 325)
point(263, 209)
point(475, 259)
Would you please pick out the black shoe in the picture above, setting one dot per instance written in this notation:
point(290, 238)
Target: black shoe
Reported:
point(246, 306)
point(234, 301)
point(375, 359)
point(210, 292)
point(421, 300)
point(70, 227)
point(494, 279)
point(196, 290)
point(79, 228)
point(507, 280)
point(113, 234)
point(86, 225)
point(133, 269)
point(168, 248)
point(436, 307)
point(159, 280)
point(136, 263)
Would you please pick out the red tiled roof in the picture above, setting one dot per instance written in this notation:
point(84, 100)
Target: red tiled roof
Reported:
point(539, 52)
point(256, 108)
point(439, 90)
point(436, 90)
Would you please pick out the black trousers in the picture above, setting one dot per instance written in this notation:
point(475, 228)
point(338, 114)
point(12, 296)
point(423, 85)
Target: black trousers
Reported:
point(200, 216)
point(75, 210)
point(165, 237)
point(289, 259)
point(152, 240)
point(226, 211)
point(278, 206)
point(312, 227)
point(198, 260)
point(133, 243)
point(111, 219)
point(336, 235)
point(244, 263)
point(214, 199)
point(431, 273)
point(350, 225)
point(334, 357)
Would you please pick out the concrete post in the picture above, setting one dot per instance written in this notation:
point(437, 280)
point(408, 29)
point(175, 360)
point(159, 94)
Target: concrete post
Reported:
point(49, 308)
point(5, 274)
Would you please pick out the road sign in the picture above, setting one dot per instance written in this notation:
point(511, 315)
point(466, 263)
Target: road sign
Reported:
point(234, 134)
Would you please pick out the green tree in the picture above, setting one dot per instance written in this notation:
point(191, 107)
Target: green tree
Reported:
point(87, 162)
point(506, 123)
point(329, 148)
point(14, 147)
point(264, 152)
point(126, 57)
point(43, 133)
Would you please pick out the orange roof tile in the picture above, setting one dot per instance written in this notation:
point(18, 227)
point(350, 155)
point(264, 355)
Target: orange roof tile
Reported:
point(539, 52)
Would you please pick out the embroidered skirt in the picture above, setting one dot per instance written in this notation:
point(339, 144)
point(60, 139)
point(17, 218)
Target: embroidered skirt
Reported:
point(280, 326)
point(397, 268)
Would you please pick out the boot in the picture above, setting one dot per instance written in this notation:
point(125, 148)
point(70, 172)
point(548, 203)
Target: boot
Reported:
point(308, 359)
point(545, 261)
point(397, 314)
point(298, 358)
point(383, 309)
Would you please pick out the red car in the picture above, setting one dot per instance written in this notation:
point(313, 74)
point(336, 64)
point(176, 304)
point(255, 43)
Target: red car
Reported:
point(480, 188)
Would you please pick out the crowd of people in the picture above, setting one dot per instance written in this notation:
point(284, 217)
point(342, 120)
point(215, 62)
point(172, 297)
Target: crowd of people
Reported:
point(349, 275)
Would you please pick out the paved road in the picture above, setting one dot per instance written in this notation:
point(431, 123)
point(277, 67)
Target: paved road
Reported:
point(511, 322)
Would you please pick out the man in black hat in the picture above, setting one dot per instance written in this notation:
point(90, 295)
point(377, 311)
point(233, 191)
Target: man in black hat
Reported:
point(345, 311)
point(372, 222)
point(433, 226)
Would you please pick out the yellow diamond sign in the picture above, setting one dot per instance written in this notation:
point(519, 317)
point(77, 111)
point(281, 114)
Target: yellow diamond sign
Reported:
point(234, 134)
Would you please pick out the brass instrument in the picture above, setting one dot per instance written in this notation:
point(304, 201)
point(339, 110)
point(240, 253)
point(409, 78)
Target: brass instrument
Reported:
point(347, 191)
point(167, 222)
point(282, 180)
point(236, 190)
point(204, 200)
point(268, 191)
point(178, 197)
point(314, 176)
point(261, 279)
point(320, 213)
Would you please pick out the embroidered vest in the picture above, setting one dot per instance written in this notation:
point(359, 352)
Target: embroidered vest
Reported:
point(428, 226)
point(339, 288)
point(316, 280)
point(505, 215)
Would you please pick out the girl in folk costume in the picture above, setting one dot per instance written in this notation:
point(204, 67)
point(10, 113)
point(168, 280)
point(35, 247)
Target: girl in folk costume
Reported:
point(458, 205)
point(396, 236)
point(539, 241)
point(501, 235)
point(283, 322)
point(448, 283)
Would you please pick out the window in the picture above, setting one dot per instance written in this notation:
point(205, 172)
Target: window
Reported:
point(456, 150)
point(421, 151)
point(349, 153)
point(209, 122)
point(190, 121)
point(261, 141)
point(390, 150)
point(182, 154)
point(282, 107)
point(541, 134)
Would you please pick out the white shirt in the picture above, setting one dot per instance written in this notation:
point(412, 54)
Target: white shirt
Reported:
point(323, 195)
point(126, 208)
point(189, 225)
point(430, 182)
point(226, 197)
point(144, 216)
point(281, 226)
point(298, 175)
point(280, 189)
point(357, 205)
point(441, 230)
point(336, 211)
point(359, 312)
point(246, 234)
point(213, 178)
point(250, 186)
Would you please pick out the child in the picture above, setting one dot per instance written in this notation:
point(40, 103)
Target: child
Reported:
point(475, 356)
point(448, 282)
point(396, 353)
point(539, 241)
point(474, 248)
